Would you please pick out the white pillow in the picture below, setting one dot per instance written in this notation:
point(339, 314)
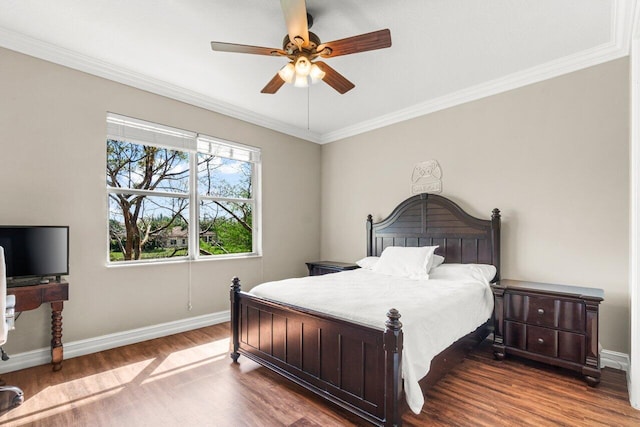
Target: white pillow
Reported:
point(476, 272)
point(405, 262)
point(368, 262)
point(435, 261)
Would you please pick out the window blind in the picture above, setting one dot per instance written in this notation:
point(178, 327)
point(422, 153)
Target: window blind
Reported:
point(123, 128)
point(228, 149)
point(128, 129)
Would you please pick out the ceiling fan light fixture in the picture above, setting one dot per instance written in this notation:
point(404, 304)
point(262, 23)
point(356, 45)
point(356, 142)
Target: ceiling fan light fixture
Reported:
point(287, 73)
point(301, 81)
point(316, 73)
point(303, 66)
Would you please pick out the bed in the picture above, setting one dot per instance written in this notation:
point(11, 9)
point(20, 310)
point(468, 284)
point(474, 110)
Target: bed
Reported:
point(350, 362)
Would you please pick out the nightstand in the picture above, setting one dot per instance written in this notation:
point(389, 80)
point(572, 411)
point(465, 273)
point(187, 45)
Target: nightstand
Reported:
point(318, 268)
point(554, 324)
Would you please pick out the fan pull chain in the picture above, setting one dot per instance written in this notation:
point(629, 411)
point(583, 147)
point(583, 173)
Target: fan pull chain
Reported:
point(308, 89)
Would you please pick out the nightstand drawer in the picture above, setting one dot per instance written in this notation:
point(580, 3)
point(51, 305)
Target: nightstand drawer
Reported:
point(531, 309)
point(545, 311)
point(542, 341)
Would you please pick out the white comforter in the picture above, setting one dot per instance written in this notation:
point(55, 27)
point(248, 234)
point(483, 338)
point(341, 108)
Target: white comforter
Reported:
point(435, 313)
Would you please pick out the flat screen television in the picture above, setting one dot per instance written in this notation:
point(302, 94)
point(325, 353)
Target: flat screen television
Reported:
point(35, 252)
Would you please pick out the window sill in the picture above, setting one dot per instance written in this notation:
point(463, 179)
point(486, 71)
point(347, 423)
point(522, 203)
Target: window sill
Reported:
point(181, 260)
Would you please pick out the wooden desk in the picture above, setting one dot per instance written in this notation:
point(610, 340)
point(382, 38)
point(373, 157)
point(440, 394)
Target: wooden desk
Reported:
point(31, 297)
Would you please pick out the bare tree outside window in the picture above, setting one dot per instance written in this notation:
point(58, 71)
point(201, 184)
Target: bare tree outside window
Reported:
point(140, 222)
point(226, 208)
point(150, 202)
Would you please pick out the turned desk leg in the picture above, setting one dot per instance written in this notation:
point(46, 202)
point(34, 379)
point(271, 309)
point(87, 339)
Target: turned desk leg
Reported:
point(56, 335)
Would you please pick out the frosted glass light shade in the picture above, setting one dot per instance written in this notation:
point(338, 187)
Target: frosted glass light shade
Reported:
point(287, 73)
point(301, 81)
point(316, 73)
point(303, 66)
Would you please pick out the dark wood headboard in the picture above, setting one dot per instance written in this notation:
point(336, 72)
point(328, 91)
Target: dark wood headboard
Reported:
point(429, 220)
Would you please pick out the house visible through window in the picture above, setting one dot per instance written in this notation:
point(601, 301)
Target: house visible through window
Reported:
point(176, 194)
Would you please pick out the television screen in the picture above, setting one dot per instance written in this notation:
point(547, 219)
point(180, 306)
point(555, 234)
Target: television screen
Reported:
point(35, 251)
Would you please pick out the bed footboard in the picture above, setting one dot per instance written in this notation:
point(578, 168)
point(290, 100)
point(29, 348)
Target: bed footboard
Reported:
point(354, 366)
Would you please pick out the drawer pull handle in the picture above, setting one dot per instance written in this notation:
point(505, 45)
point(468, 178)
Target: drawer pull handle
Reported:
point(540, 341)
point(540, 311)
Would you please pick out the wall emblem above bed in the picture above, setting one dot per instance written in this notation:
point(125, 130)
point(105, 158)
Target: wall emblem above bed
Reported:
point(426, 178)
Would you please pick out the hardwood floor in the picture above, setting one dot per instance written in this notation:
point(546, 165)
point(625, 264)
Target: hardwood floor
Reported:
point(189, 380)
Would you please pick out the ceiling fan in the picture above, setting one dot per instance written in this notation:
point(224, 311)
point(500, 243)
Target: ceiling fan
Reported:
point(303, 47)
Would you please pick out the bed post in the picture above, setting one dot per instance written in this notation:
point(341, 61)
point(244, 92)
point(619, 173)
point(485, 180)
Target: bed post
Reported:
point(393, 370)
point(498, 321)
point(369, 235)
point(495, 241)
point(235, 318)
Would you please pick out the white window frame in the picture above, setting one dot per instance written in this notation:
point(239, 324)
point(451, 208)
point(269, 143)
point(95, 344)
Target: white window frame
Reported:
point(142, 132)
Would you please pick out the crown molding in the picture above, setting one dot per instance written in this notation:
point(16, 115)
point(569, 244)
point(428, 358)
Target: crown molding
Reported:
point(622, 16)
point(623, 23)
point(537, 74)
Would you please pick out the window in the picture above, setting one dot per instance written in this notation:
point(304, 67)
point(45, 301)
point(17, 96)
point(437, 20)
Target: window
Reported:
point(176, 194)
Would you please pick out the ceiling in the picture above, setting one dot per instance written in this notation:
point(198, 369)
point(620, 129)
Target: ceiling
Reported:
point(443, 53)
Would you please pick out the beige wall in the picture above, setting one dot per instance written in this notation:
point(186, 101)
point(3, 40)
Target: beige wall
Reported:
point(52, 163)
point(553, 156)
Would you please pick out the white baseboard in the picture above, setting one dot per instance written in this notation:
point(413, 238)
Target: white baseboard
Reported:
point(42, 356)
point(615, 360)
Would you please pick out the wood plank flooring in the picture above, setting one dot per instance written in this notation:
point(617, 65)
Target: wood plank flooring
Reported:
point(188, 379)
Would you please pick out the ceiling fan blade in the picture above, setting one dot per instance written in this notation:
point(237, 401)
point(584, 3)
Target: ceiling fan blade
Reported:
point(274, 84)
point(362, 43)
point(335, 79)
point(295, 15)
point(243, 48)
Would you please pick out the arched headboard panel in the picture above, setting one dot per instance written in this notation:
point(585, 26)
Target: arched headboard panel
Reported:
point(430, 220)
